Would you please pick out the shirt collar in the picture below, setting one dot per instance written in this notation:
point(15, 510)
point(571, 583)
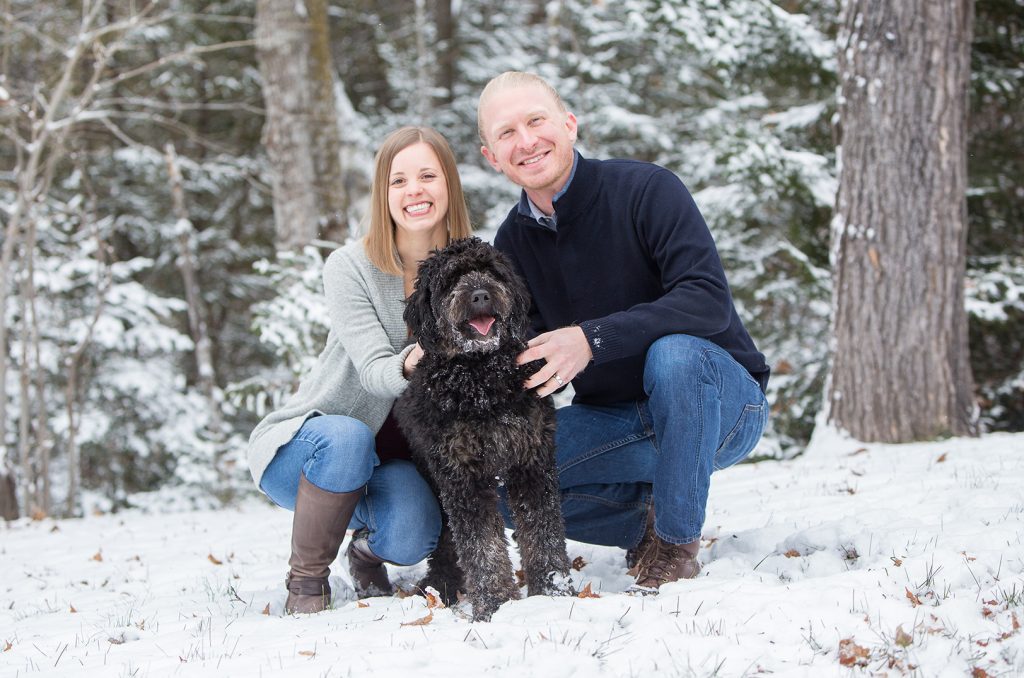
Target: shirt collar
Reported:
point(527, 208)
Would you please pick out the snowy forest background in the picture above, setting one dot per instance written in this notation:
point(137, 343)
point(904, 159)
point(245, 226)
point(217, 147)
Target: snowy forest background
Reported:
point(152, 312)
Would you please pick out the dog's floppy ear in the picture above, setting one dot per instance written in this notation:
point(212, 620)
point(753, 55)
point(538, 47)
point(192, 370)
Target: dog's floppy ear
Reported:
point(418, 315)
point(519, 315)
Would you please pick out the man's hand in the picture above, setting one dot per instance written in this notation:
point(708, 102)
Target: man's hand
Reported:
point(565, 353)
point(410, 361)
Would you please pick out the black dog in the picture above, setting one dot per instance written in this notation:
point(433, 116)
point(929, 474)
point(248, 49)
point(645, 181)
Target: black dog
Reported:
point(470, 422)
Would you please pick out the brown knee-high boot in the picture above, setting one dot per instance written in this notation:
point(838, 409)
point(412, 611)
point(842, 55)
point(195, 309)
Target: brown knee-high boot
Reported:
point(318, 528)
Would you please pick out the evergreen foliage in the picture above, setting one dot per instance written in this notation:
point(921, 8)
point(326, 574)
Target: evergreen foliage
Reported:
point(735, 97)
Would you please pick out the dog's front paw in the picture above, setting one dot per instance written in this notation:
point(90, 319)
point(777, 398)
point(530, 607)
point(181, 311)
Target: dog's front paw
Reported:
point(447, 586)
point(553, 583)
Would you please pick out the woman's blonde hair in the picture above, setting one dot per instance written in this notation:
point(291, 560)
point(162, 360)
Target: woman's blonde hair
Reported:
point(380, 237)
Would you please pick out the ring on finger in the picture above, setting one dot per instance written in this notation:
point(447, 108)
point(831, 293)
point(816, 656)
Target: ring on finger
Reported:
point(560, 381)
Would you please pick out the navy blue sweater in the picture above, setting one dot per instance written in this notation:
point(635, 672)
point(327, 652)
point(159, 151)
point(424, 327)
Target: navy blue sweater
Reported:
point(631, 261)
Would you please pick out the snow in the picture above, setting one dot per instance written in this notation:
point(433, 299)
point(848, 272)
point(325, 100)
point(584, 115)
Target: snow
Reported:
point(912, 553)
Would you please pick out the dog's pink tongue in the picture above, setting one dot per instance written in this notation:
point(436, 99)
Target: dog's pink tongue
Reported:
point(482, 324)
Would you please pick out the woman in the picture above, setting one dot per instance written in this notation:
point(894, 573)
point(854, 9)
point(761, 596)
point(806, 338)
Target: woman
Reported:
point(332, 453)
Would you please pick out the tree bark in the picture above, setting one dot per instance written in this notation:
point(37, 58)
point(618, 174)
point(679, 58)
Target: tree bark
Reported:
point(188, 265)
point(446, 48)
point(900, 368)
point(301, 131)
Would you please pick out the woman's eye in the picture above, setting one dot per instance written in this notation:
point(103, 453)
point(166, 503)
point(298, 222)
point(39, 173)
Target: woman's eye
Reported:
point(397, 182)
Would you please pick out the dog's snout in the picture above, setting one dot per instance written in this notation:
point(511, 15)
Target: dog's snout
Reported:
point(480, 300)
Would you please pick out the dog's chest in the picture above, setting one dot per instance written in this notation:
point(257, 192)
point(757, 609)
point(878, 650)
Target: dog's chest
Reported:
point(489, 447)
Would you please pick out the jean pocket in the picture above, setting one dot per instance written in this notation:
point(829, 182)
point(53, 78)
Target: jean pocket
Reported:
point(743, 437)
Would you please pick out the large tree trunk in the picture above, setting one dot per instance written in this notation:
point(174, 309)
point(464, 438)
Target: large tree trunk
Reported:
point(900, 367)
point(301, 131)
point(446, 52)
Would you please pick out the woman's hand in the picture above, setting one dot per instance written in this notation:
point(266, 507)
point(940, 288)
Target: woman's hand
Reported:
point(410, 360)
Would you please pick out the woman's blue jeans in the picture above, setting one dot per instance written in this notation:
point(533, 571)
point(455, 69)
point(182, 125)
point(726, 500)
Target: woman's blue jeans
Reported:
point(703, 412)
point(336, 453)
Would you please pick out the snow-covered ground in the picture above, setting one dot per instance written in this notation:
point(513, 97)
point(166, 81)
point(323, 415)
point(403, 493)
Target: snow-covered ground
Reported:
point(897, 559)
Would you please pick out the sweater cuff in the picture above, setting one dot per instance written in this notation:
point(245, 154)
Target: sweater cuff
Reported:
point(396, 378)
point(604, 340)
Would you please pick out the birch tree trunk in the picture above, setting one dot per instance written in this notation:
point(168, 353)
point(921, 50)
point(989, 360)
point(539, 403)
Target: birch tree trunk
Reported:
point(301, 130)
point(900, 368)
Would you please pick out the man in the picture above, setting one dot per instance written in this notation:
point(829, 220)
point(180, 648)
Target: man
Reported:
point(631, 305)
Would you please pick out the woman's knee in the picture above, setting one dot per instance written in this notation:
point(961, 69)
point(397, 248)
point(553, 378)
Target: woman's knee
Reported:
point(342, 455)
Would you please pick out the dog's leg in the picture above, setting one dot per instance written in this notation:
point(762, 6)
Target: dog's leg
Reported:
point(472, 507)
point(443, 571)
point(535, 502)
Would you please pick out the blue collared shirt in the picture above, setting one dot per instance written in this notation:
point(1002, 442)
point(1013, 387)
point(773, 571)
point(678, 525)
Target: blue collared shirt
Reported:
point(527, 207)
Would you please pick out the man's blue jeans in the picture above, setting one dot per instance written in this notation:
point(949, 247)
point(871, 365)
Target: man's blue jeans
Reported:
point(337, 454)
point(703, 412)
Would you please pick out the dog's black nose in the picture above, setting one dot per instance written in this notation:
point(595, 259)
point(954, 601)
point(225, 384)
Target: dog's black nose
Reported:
point(480, 297)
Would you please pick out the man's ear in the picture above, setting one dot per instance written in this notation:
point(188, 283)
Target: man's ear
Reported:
point(571, 125)
point(490, 158)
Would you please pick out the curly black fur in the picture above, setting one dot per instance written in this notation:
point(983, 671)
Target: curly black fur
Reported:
point(469, 422)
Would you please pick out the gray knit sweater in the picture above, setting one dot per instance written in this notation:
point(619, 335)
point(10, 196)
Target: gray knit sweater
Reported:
point(359, 372)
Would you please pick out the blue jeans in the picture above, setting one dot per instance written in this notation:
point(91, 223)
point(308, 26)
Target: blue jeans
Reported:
point(336, 453)
point(703, 412)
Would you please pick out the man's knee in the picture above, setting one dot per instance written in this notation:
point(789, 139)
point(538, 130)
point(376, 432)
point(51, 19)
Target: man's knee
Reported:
point(674, 356)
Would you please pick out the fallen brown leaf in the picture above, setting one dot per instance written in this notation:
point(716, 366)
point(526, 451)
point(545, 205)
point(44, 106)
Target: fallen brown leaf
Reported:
point(38, 514)
point(978, 672)
point(914, 600)
point(792, 553)
point(433, 599)
point(520, 578)
point(986, 612)
point(587, 593)
point(362, 604)
point(859, 450)
point(266, 610)
point(7, 645)
point(404, 593)
point(578, 563)
point(422, 621)
point(895, 561)
point(942, 458)
point(903, 639)
point(98, 557)
point(852, 654)
point(214, 560)
point(72, 610)
point(307, 653)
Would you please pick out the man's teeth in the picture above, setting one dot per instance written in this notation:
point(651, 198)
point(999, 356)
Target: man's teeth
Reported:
point(418, 208)
point(530, 161)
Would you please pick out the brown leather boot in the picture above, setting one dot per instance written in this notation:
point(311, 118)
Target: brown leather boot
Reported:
point(635, 554)
point(369, 576)
point(318, 528)
point(664, 563)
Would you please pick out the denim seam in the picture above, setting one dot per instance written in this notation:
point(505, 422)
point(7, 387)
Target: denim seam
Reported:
point(597, 451)
point(692, 506)
point(605, 502)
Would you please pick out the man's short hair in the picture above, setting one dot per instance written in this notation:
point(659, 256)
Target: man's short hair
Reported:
point(507, 80)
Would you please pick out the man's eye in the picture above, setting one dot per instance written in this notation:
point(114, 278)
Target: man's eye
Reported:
point(505, 134)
